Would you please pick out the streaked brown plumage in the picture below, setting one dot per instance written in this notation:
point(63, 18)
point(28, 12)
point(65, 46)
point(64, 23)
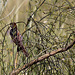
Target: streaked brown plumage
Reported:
point(17, 38)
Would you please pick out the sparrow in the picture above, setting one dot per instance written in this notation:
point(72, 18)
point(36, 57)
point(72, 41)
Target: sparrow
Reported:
point(17, 38)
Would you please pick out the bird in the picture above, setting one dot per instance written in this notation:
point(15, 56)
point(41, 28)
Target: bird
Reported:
point(17, 38)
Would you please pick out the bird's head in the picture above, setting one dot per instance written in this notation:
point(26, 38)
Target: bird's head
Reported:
point(13, 25)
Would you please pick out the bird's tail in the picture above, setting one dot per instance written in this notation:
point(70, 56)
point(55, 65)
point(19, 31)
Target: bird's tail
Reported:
point(23, 49)
point(26, 53)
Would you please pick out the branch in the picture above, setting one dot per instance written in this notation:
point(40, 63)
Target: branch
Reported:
point(8, 14)
point(29, 19)
point(15, 72)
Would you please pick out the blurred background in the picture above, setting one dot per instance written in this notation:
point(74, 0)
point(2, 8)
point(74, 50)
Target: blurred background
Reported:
point(48, 25)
